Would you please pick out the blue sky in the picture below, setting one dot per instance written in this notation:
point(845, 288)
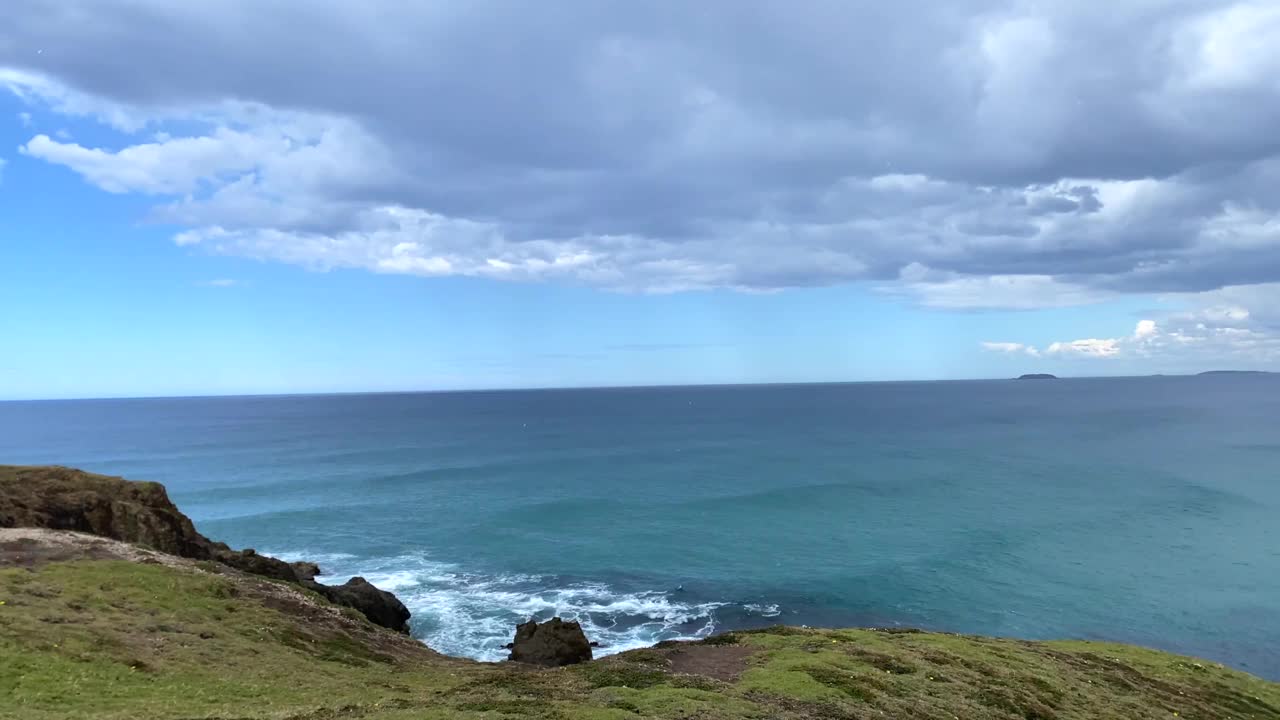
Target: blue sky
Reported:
point(196, 223)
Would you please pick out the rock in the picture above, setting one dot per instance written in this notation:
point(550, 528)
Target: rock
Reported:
point(306, 570)
point(1037, 376)
point(551, 644)
point(59, 498)
point(380, 606)
point(248, 560)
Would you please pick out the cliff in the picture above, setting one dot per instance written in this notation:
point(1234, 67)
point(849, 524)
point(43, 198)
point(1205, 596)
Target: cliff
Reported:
point(95, 627)
point(59, 498)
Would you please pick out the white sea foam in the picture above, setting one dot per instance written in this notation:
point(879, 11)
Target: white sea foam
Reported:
point(473, 615)
point(770, 610)
point(324, 560)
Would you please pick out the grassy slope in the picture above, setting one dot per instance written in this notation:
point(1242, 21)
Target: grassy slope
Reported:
point(118, 639)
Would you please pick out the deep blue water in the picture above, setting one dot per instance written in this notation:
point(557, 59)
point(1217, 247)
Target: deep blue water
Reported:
point(1141, 509)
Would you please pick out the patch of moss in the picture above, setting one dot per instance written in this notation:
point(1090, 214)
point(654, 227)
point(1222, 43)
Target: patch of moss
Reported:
point(621, 674)
point(721, 639)
point(855, 685)
point(671, 702)
point(517, 707)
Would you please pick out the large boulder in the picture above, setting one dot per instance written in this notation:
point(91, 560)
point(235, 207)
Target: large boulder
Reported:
point(59, 498)
point(379, 606)
point(551, 644)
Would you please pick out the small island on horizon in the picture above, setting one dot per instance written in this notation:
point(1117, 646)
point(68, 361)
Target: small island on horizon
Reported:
point(1037, 376)
point(1236, 372)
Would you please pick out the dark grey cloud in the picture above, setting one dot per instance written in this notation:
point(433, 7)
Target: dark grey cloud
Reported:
point(945, 148)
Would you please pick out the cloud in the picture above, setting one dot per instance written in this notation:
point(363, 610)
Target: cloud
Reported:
point(1213, 332)
point(1231, 49)
point(219, 283)
point(176, 166)
point(1011, 348)
point(1086, 348)
point(25, 119)
point(1017, 155)
point(951, 290)
point(58, 95)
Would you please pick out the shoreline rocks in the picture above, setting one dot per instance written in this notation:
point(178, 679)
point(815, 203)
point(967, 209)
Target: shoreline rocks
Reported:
point(381, 607)
point(550, 644)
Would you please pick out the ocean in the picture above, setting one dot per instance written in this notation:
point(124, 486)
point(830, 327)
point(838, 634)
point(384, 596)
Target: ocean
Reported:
point(1143, 510)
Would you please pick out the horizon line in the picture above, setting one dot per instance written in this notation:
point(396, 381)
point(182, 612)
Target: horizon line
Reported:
point(552, 388)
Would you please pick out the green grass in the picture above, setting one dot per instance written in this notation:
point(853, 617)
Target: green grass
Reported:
point(117, 639)
point(114, 639)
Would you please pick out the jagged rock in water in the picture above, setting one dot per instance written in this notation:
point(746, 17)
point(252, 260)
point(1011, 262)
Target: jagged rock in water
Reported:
point(379, 606)
point(60, 498)
point(552, 643)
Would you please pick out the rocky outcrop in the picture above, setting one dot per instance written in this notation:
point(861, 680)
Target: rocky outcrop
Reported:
point(551, 644)
point(60, 498)
point(141, 513)
point(379, 606)
point(248, 560)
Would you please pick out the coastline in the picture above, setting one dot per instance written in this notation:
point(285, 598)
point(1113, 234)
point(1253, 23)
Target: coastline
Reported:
point(97, 625)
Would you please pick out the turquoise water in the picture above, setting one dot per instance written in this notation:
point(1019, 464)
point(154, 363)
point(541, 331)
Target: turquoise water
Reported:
point(1140, 509)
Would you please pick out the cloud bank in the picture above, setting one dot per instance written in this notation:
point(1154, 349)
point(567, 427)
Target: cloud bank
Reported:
point(979, 154)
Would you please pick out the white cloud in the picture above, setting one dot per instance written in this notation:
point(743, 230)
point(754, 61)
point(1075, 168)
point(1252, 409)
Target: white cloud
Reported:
point(177, 166)
point(1208, 336)
point(1232, 48)
point(161, 168)
point(219, 283)
point(1011, 348)
point(25, 119)
point(1090, 347)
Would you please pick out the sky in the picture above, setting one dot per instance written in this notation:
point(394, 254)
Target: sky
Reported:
point(230, 196)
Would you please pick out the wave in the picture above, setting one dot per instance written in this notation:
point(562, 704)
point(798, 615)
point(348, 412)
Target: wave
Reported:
point(323, 559)
point(474, 615)
point(767, 611)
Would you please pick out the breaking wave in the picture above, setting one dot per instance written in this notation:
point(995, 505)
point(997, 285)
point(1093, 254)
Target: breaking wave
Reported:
point(474, 615)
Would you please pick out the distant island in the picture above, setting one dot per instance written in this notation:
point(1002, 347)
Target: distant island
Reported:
point(1037, 376)
point(1236, 372)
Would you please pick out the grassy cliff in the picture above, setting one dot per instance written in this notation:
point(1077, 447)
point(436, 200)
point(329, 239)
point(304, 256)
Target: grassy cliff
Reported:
point(95, 627)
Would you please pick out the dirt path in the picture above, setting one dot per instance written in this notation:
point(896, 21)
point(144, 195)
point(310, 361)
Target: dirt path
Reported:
point(722, 662)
